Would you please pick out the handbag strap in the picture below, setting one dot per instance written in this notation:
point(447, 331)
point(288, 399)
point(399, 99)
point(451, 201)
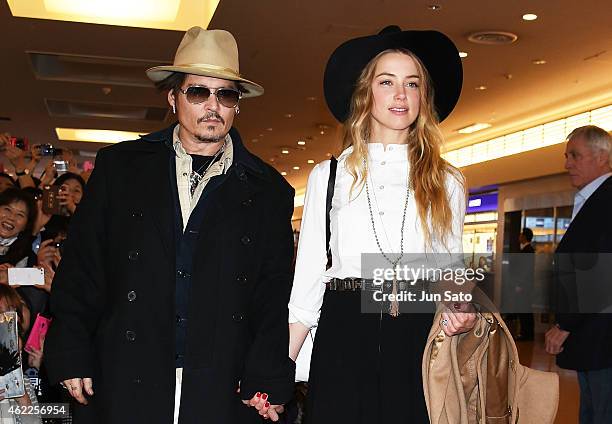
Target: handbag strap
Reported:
point(333, 164)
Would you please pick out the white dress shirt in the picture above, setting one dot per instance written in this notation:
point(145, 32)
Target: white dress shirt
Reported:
point(583, 195)
point(351, 228)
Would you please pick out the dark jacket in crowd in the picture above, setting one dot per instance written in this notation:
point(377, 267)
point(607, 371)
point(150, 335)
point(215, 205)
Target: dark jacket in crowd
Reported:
point(113, 297)
point(583, 266)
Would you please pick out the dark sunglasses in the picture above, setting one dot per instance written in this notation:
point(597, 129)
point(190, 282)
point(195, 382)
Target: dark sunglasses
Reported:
point(196, 94)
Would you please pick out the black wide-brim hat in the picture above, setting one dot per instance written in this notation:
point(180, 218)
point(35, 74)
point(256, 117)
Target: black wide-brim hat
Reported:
point(434, 49)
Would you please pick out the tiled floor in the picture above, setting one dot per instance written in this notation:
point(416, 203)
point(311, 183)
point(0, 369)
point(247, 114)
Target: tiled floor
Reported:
point(532, 354)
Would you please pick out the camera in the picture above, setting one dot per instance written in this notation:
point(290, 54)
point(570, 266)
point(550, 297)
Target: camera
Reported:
point(46, 150)
point(61, 166)
point(20, 143)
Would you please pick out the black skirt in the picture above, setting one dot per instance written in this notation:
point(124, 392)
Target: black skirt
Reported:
point(366, 368)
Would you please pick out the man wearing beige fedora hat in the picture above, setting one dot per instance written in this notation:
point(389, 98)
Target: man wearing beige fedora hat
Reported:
point(171, 298)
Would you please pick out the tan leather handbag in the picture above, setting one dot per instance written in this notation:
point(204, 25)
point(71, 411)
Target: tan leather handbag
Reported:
point(476, 378)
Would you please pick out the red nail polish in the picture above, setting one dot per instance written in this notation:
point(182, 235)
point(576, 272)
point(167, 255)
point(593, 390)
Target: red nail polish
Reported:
point(267, 404)
point(264, 396)
point(258, 394)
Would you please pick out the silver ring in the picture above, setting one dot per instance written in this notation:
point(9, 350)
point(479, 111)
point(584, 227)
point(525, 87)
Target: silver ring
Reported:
point(444, 322)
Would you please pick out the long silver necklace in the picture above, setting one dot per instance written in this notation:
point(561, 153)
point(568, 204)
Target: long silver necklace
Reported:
point(394, 307)
point(196, 176)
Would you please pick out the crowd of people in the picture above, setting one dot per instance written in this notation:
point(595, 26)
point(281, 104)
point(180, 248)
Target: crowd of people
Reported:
point(31, 236)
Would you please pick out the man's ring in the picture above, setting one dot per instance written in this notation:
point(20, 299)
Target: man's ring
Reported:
point(444, 322)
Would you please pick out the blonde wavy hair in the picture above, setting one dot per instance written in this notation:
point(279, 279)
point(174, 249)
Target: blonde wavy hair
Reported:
point(428, 170)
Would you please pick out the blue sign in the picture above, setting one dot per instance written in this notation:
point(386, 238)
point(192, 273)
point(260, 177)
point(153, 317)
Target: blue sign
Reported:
point(482, 203)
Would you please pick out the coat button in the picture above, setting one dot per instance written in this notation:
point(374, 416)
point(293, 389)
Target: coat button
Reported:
point(137, 381)
point(133, 255)
point(245, 240)
point(247, 202)
point(241, 279)
point(131, 295)
point(237, 317)
point(130, 335)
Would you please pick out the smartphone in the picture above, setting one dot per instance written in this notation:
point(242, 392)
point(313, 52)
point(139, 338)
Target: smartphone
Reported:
point(50, 200)
point(26, 276)
point(46, 150)
point(20, 143)
point(39, 329)
point(61, 166)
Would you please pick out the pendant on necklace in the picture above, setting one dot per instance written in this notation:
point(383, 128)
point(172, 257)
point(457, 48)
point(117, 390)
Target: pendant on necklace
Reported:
point(394, 306)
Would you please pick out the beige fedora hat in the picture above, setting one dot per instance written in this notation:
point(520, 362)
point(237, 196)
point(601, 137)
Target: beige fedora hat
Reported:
point(210, 53)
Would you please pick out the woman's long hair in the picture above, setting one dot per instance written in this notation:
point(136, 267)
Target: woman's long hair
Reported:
point(428, 170)
point(21, 247)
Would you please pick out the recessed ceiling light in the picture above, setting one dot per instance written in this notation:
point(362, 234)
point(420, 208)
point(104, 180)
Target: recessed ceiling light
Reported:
point(328, 154)
point(269, 129)
point(473, 128)
point(434, 7)
point(283, 173)
point(177, 15)
point(301, 143)
point(285, 151)
point(480, 88)
point(95, 136)
point(261, 135)
point(311, 98)
point(538, 62)
point(288, 115)
point(310, 161)
point(297, 168)
point(463, 54)
point(255, 140)
point(272, 159)
point(530, 17)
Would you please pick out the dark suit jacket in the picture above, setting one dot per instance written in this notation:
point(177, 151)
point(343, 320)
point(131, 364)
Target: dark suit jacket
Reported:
point(113, 297)
point(528, 249)
point(583, 274)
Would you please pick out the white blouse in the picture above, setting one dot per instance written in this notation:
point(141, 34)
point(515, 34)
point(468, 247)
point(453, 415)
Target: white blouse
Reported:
point(351, 227)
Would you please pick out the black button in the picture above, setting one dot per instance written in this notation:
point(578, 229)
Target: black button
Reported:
point(193, 231)
point(181, 321)
point(133, 255)
point(183, 274)
point(130, 335)
point(237, 317)
point(137, 215)
point(247, 202)
point(131, 296)
point(137, 381)
point(245, 240)
point(241, 279)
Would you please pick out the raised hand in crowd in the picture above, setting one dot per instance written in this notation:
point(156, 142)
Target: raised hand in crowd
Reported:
point(49, 275)
point(48, 174)
point(48, 255)
point(35, 356)
point(4, 273)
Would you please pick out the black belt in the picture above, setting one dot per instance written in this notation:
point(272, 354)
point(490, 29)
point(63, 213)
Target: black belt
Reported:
point(353, 284)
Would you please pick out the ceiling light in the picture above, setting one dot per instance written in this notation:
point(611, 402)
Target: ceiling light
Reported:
point(285, 151)
point(538, 62)
point(473, 128)
point(272, 159)
point(177, 15)
point(255, 140)
point(328, 154)
point(288, 115)
point(310, 161)
point(480, 88)
point(269, 129)
point(301, 143)
point(530, 17)
point(284, 173)
point(297, 168)
point(96, 136)
point(463, 54)
point(434, 7)
point(311, 98)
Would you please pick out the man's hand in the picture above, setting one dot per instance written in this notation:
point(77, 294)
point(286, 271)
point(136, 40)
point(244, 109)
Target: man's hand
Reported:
point(77, 387)
point(458, 318)
point(266, 410)
point(554, 339)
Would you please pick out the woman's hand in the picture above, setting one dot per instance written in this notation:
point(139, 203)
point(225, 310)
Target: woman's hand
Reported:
point(49, 275)
point(266, 410)
point(35, 356)
point(458, 318)
point(4, 273)
point(49, 174)
point(48, 254)
point(67, 199)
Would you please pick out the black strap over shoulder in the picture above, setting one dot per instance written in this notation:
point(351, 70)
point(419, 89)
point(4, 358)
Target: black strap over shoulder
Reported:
point(333, 164)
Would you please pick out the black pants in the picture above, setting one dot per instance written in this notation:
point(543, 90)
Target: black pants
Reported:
point(366, 368)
